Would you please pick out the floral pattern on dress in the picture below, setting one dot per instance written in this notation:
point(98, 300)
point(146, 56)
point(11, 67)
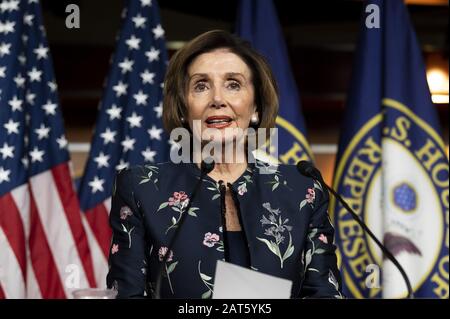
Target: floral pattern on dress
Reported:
point(242, 188)
point(307, 257)
point(310, 196)
point(214, 187)
point(178, 202)
point(206, 281)
point(114, 249)
point(276, 227)
point(211, 239)
point(125, 211)
point(277, 181)
point(275, 232)
point(150, 174)
point(333, 281)
point(169, 266)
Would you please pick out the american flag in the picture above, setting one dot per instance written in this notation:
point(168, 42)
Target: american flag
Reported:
point(42, 239)
point(129, 127)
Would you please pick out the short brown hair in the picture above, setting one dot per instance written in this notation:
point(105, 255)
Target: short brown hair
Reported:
point(176, 80)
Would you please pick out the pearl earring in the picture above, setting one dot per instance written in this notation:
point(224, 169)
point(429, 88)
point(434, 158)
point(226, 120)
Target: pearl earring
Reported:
point(254, 119)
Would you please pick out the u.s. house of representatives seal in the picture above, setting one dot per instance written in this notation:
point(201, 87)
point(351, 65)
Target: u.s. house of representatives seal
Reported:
point(394, 174)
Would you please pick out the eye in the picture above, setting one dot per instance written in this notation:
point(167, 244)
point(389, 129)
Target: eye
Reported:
point(234, 85)
point(200, 86)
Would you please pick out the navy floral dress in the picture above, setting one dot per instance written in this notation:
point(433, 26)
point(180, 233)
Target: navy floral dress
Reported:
point(283, 216)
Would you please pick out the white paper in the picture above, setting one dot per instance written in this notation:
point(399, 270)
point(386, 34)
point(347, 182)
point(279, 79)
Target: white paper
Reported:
point(235, 282)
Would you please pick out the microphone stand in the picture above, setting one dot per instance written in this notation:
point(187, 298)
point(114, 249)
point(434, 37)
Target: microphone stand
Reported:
point(310, 171)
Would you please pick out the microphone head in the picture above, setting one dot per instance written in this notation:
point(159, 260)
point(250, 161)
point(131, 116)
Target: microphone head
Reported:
point(207, 165)
point(308, 169)
point(305, 168)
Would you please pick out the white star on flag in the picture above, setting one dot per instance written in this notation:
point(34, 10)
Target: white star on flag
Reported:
point(36, 155)
point(152, 55)
point(139, 21)
point(22, 59)
point(4, 49)
point(126, 66)
point(133, 43)
point(9, 6)
point(50, 108)
point(96, 184)
point(52, 85)
point(102, 160)
point(134, 120)
point(122, 165)
point(128, 144)
point(7, 151)
point(2, 71)
point(158, 109)
point(114, 112)
point(120, 88)
point(41, 52)
point(4, 175)
point(108, 136)
point(35, 75)
point(155, 133)
point(140, 98)
point(7, 27)
point(147, 77)
point(30, 98)
point(20, 80)
point(158, 31)
point(42, 131)
point(28, 19)
point(62, 142)
point(12, 127)
point(148, 155)
point(16, 104)
point(145, 3)
point(25, 161)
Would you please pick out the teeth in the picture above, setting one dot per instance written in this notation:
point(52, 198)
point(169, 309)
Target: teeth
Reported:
point(217, 121)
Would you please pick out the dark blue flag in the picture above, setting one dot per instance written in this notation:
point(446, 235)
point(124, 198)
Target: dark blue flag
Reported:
point(392, 167)
point(129, 127)
point(258, 23)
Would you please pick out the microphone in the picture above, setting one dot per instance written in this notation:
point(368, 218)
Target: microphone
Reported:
point(307, 169)
point(206, 167)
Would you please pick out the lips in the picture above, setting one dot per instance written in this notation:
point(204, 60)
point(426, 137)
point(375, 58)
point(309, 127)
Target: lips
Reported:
point(218, 121)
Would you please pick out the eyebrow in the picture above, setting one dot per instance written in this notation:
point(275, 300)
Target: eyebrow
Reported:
point(229, 74)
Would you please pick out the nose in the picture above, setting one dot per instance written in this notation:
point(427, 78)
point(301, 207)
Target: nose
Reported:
point(217, 100)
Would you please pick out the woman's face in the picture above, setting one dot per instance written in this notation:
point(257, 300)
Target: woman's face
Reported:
point(220, 93)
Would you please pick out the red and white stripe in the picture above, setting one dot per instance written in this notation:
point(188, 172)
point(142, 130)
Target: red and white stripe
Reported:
point(96, 221)
point(42, 237)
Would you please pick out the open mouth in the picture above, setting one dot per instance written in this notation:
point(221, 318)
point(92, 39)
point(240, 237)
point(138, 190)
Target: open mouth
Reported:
point(218, 121)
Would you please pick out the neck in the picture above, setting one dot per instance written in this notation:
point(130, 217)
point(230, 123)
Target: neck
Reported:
point(225, 170)
point(228, 172)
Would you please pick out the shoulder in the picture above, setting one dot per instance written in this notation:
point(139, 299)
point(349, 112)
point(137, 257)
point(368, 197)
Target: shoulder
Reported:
point(146, 170)
point(139, 176)
point(286, 172)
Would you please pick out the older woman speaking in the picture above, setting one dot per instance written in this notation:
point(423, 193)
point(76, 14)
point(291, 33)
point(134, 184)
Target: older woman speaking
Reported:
point(172, 221)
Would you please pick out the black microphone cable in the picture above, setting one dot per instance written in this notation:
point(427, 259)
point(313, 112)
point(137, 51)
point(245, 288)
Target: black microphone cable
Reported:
point(206, 167)
point(307, 169)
